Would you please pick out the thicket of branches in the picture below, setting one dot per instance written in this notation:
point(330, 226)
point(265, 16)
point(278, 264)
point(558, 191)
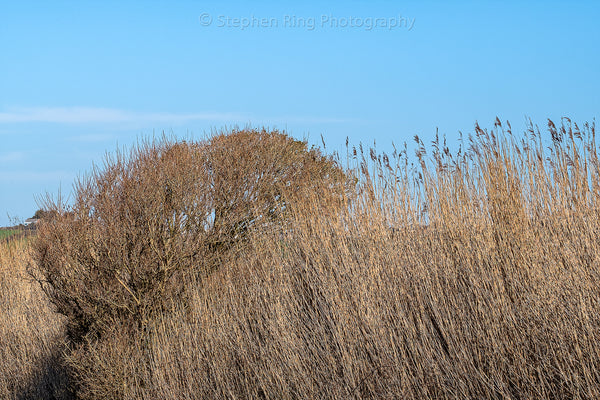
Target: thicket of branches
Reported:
point(146, 221)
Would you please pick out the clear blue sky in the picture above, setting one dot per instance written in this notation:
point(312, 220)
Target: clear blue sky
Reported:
point(78, 79)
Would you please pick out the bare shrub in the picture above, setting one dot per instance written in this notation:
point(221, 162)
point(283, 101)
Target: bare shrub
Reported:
point(146, 222)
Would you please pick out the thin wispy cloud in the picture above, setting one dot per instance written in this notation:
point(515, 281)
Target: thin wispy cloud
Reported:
point(85, 115)
point(99, 115)
point(12, 156)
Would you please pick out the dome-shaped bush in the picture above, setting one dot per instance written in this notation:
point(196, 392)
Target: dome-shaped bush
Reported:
point(141, 222)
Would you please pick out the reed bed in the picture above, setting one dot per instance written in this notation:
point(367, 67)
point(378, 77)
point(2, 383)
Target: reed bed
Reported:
point(438, 275)
point(31, 333)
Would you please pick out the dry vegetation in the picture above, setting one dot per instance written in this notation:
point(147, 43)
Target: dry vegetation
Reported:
point(248, 266)
point(31, 334)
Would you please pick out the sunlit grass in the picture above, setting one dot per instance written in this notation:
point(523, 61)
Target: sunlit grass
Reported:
point(31, 334)
point(444, 276)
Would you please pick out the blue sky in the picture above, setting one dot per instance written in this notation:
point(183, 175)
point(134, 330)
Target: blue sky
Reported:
point(78, 79)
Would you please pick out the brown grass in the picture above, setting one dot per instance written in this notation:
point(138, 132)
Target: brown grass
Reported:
point(458, 276)
point(31, 334)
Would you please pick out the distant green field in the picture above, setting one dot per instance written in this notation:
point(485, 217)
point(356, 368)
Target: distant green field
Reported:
point(4, 233)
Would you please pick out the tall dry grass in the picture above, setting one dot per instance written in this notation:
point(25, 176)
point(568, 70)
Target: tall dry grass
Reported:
point(443, 276)
point(31, 334)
